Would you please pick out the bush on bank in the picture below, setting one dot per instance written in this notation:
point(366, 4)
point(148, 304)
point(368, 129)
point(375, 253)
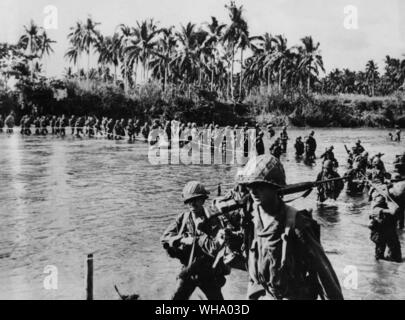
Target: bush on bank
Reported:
point(331, 111)
point(147, 102)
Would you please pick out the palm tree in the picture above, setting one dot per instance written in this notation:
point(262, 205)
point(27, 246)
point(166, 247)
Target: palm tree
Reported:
point(46, 45)
point(214, 35)
point(89, 37)
point(108, 53)
point(165, 51)
point(233, 34)
point(76, 48)
point(30, 41)
point(145, 44)
point(280, 57)
point(310, 60)
point(184, 59)
point(124, 36)
point(371, 75)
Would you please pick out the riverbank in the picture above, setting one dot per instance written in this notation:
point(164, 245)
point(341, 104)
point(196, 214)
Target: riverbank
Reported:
point(348, 111)
point(149, 101)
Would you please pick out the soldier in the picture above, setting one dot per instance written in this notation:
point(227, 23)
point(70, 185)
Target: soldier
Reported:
point(37, 124)
point(310, 147)
point(118, 130)
point(358, 149)
point(399, 164)
point(44, 125)
point(332, 189)
point(377, 174)
point(145, 131)
point(260, 143)
point(130, 130)
point(276, 149)
point(62, 126)
point(271, 131)
point(53, 124)
point(397, 134)
point(1, 123)
point(196, 240)
point(383, 220)
point(110, 129)
point(329, 155)
point(299, 147)
point(27, 125)
point(72, 123)
point(286, 259)
point(80, 122)
point(10, 123)
point(284, 139)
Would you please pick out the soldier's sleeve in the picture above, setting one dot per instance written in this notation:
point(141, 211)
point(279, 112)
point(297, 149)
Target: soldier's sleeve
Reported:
point(208, 245)
point(328, 281)
point(171, 234)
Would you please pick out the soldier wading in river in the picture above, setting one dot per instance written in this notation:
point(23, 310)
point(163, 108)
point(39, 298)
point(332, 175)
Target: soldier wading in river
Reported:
point(196, 240)
point(286, 259)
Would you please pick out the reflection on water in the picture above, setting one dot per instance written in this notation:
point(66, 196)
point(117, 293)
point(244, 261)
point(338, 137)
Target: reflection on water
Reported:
point(62, 199)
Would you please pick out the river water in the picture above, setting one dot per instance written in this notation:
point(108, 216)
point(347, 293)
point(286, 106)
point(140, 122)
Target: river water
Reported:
point(61, 199)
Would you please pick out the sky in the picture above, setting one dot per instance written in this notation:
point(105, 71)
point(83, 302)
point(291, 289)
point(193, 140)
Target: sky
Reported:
point(380, 30)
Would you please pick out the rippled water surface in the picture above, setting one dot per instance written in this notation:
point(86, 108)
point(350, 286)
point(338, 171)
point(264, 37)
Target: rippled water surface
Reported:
point(62, 199)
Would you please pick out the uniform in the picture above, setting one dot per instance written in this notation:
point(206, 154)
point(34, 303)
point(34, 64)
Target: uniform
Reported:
point(310, 147)
point(383, 230)
point(286, 259)
point(329, 190)
point(299, 147)
point(197, 259)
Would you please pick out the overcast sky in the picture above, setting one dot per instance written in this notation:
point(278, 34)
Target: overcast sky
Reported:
point(381, 24)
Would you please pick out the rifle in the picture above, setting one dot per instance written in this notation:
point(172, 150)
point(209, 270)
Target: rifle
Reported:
point(228, 204)
point(305, 186)
point(348, 151)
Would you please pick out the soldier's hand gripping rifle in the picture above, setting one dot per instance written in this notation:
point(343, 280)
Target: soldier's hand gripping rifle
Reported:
point(227, 204)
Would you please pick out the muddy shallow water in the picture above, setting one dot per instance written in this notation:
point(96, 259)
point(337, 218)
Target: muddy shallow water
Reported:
point(61, 199)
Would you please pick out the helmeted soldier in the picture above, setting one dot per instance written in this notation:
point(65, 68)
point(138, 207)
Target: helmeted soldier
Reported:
point(10, 122)
point(310, 147)
point(329, 155)
point(330, 189)
point(299, 147)
point(358, 149)
point(195, 240)
point(383, 223)
point(286, 259)
point(377, 174)
point(284, 139)
point(276, 149)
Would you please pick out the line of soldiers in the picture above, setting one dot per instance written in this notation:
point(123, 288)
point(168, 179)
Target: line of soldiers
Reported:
point(253, 229)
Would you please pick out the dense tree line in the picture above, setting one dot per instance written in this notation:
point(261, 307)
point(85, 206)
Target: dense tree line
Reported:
point(218, 57)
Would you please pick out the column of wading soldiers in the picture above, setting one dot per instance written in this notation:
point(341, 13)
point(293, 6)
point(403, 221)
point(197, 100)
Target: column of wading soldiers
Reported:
point(281, 245)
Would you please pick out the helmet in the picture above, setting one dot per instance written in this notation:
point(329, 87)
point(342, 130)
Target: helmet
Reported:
point(358, 142)
point(376, 161)
point(331, 148)
point(263, 168)
point(328, 164)
point(193, 190)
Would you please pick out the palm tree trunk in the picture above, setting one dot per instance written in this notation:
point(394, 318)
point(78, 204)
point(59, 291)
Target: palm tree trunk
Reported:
point(280, 77)
point(309, 83)
point(268, 81)
point(165, 81)
point(241, 74)
point(212, 78)
point(232, 66)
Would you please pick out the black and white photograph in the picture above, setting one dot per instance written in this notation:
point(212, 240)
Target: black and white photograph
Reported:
point(202, 150)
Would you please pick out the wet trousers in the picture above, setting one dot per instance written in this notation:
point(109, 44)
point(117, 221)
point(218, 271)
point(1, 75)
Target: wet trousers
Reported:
point(186, 287)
